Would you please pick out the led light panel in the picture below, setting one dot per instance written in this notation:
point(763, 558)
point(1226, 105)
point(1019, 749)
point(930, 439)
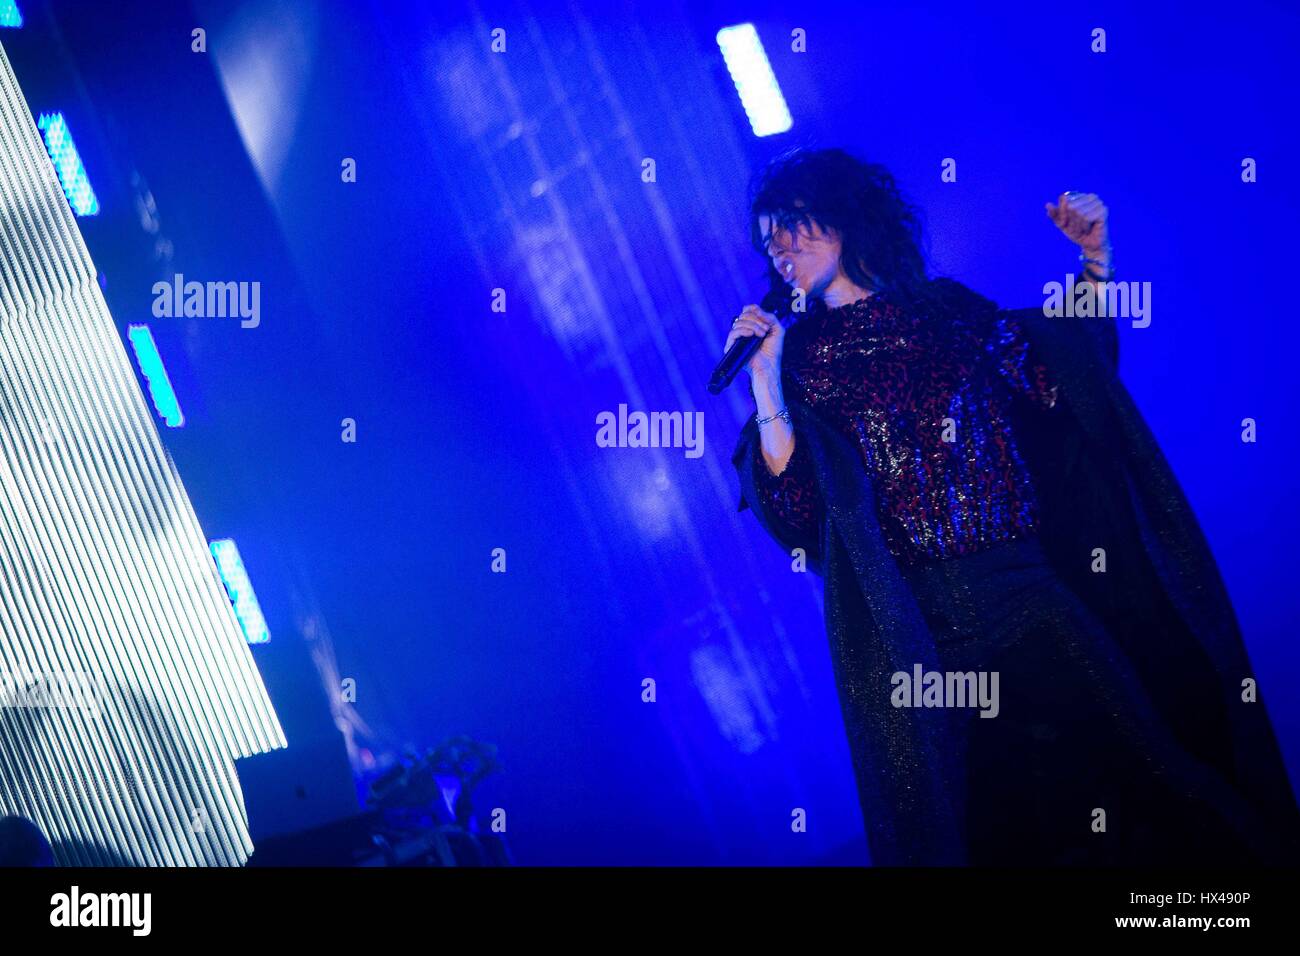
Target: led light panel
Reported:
point(126, 687)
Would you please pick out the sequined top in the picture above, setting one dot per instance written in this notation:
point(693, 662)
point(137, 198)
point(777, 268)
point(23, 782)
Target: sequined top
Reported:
point(928, 402)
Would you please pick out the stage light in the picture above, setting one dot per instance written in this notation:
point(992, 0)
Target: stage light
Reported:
point(67, 163)
point(750, 70)
point(231, 568)
point(10, 15)
point(151, 366)
point(106, 577)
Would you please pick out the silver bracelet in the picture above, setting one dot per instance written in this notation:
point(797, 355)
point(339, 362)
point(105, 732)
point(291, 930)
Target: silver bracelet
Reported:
point(783, 414)
point(1104, 264)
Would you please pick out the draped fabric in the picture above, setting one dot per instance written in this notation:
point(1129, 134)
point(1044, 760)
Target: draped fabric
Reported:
point(1102, 482)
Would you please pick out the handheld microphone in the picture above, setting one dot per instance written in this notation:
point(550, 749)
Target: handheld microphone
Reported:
point(742, 350)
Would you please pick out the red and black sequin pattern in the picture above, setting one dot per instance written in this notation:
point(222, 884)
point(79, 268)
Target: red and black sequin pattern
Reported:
point(928, 401)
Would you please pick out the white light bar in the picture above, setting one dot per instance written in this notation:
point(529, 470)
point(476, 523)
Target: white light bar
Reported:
point(760, 94)
point(240, 589)
point(106, 582)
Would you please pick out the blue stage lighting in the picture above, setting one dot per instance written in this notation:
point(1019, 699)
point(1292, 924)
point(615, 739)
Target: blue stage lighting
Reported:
point(67, 163)
point(231, 568)
point(10, 15)
point(155, 374)
point(760, 94)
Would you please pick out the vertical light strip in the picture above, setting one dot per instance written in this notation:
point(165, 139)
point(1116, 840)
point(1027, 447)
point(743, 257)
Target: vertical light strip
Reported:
point(67, 163)
point(155, 375)
point(240, 589)
point(104, 570)
point(750, 70)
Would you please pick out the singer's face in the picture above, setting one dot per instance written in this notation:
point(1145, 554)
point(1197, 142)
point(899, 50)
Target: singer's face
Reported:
point(806, 257)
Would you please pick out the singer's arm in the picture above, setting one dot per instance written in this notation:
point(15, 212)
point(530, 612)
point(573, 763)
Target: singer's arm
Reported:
point(777, 477)
point(783, 473)
point(765, 377)
point(778, 435)
point(788, 504)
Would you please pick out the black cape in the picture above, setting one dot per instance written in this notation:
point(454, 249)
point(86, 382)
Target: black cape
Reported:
point(1099, 475)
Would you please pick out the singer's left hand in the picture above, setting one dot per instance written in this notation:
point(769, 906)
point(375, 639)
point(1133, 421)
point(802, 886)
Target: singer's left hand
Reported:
point(766, 362)
point(1082, 217)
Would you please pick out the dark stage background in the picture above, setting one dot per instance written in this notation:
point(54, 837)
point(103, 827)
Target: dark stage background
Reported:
point(475, 429)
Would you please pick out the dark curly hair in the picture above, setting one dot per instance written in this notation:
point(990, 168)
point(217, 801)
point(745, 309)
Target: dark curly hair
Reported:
point(880, 231)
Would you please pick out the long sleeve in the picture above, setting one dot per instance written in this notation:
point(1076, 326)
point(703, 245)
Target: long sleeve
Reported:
point(790, 496)
point(1018, 365)
point(789, 504)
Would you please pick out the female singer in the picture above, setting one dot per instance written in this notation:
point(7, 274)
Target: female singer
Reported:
point(983, 501)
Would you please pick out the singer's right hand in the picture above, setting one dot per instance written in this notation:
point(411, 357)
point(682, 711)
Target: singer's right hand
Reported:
point(766, 362)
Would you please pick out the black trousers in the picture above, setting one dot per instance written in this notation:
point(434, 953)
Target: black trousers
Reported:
point(1094, 758)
